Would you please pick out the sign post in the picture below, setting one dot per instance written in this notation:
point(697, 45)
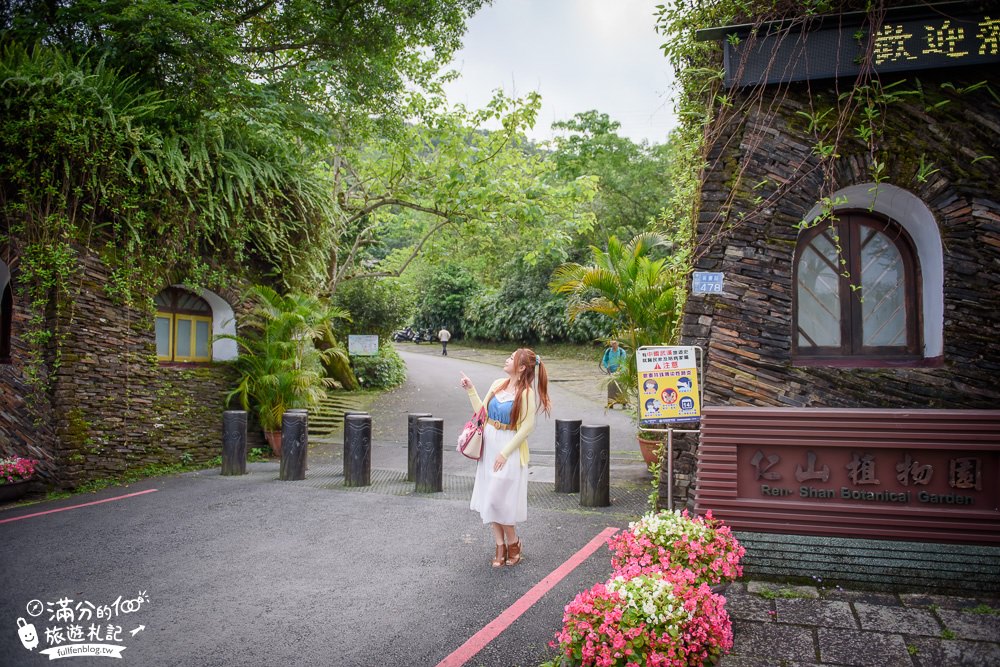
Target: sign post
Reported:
point(362, 346)
point(669, 393)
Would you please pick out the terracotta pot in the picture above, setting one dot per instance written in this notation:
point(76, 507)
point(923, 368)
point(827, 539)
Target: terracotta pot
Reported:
point(11, 491)
point(651, 450)
point(274, 439)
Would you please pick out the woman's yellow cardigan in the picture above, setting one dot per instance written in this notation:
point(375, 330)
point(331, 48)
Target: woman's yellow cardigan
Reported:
point(525, 425)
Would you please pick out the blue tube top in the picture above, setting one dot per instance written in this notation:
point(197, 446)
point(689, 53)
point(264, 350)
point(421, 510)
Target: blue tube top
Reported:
point(499, 410)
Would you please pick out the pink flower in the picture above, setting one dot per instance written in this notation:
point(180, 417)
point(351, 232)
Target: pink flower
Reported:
point(16, 469)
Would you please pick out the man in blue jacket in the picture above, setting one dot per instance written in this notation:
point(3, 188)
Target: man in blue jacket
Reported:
point(613, 359)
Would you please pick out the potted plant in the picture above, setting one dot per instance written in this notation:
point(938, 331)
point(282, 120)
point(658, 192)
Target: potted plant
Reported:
point(280, 366)
point(16, 474)
point(651, 445)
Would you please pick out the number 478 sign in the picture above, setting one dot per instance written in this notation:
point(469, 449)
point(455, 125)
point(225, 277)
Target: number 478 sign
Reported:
point(706, 282)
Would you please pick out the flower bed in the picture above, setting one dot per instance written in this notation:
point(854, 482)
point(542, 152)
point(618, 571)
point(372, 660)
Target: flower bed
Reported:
point(650, 619)
point(657, 607)
point(667, 541)
point(16, 469)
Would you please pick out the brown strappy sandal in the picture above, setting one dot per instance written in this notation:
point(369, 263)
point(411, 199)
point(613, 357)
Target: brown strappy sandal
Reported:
point(501, 557)
point(514, 553)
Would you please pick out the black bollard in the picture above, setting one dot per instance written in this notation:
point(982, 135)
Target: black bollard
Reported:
point(294, 445)
point(234, 442)
point(430, 455)
point(595, 465)
point(348, 413)
point(357, 449)
point(411, 441)
point(568, 455)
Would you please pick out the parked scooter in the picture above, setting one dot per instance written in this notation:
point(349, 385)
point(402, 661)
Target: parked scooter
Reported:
point(403, 335)
point(423, 336)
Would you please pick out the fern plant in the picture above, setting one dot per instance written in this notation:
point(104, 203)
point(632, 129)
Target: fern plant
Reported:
point(280, 366)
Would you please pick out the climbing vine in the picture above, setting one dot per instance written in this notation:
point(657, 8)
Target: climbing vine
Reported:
point(864, 118)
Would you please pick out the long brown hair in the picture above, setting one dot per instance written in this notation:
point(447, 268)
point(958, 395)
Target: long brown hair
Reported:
point(532, 365)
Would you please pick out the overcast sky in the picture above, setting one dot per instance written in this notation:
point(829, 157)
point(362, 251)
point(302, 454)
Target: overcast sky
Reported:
point(579, 54)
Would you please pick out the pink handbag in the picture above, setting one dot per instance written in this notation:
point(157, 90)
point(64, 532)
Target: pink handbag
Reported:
point(470, 440)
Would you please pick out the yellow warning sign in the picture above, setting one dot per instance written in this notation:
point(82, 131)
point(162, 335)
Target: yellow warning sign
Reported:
point(668, 385)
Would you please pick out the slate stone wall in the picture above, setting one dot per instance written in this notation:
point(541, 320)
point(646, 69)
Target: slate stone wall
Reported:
point(112, 407)
point(25, 416)
point(746, 332)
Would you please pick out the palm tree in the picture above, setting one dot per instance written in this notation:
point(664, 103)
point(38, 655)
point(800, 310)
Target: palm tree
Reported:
point(630, 285)
point(279, 363)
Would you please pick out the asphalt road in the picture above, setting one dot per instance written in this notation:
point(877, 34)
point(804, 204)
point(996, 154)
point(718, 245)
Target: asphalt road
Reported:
point(432, 386)
point(253, 571)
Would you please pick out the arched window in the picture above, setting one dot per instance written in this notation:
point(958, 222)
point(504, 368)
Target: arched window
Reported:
point(856, 293)
point(183, 326)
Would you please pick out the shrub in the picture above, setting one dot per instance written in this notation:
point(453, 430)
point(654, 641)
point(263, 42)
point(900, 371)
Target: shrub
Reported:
point(651, 619)
point(377, 307)
point(670, 541)
point(442, 298)
point(383, 371)
point(523, 309)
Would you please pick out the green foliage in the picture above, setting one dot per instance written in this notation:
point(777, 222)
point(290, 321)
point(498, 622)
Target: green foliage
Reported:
point(84, 158)
point(377, 306)
point(386, 370)
point(983, 608)
point(442, 298)
point(442, 188)
point(633, 287)
point(185, 139)
point(524, 310)
point(279, 364)
point(216, 54)
point(633, 179)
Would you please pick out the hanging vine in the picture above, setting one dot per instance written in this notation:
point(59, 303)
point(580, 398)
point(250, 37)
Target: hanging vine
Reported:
point(856, 118)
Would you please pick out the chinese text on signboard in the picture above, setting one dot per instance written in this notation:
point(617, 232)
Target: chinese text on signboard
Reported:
point(865, 475)
point(668, 385)
point(782, 54)
point(362, 346)
point(706, 282)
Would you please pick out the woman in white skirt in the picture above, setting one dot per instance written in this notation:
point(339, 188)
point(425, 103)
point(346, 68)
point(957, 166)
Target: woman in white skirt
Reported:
point(500, 494)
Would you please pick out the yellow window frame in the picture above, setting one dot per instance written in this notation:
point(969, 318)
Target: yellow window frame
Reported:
point(194, 319)
point(170, 336)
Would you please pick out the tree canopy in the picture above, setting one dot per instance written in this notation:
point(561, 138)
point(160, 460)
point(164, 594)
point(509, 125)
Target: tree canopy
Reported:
point(354, 57)
point(633, 183)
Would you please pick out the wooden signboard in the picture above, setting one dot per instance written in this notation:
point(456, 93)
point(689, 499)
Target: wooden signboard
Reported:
point(929, 475)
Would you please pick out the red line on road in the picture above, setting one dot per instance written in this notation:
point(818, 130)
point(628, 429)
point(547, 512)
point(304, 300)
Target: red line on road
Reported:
point(478, 641)
point(73, 507)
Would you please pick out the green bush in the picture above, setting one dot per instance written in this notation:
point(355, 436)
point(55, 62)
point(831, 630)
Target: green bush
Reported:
point(377, 307)
point(386, 370)
point(525, 310)
point(444, 295)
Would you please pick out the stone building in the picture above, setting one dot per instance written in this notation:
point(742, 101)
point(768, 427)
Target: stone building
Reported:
point(129, 387)
point(868, 279)
point(851, 203)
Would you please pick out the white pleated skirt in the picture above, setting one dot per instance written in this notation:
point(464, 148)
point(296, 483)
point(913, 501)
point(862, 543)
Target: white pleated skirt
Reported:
point(500, 497)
